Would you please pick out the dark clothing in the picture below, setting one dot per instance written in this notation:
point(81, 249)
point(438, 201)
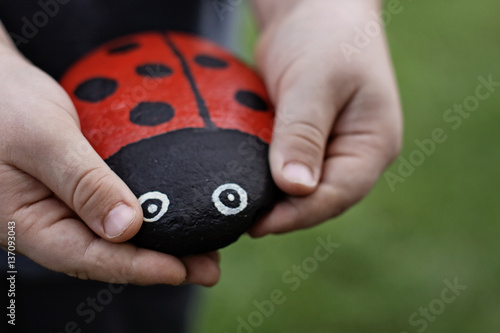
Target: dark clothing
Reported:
point(55, 33)
point(52, 302)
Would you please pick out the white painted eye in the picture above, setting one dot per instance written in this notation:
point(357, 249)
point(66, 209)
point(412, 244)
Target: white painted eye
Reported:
point(154, 205)
point(230, 199)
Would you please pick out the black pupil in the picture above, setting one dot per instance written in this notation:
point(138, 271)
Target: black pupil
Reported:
point(230, 198)
point(151, 208)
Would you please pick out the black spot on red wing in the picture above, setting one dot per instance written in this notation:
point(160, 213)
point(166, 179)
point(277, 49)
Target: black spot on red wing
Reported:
point(210, 62)
point(153, 70)
point(251, 100)
point(151, 113)
point(96, 89)
point(123, 48)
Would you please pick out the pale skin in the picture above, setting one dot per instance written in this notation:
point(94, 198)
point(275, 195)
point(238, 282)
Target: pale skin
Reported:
point(338, 126)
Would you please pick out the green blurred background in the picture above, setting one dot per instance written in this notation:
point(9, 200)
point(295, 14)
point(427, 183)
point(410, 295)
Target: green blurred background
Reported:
point(397, 247)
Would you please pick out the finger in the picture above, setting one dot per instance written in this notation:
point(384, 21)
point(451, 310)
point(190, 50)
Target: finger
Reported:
point(367, 137)
point(202, 269)
point(69, 166)
point(332, 197)
point(307, 106)
point(48, 236)
point(47, 232)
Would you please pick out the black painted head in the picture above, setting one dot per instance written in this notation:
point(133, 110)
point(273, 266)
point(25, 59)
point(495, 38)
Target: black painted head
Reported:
point(200, 189)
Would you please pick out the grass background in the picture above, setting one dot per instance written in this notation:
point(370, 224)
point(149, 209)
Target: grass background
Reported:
point(398, 247)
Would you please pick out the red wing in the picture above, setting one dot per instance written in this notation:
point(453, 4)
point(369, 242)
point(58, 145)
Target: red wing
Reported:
point(129, 90)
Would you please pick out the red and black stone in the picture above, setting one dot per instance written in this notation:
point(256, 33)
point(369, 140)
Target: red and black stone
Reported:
point(187, 127)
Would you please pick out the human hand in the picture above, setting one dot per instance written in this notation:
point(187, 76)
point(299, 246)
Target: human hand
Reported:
point(51, 179)
point(338, 122)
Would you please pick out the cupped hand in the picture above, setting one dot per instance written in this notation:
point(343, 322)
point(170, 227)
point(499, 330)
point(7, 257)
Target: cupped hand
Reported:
point(72, 214)
point(338, 119)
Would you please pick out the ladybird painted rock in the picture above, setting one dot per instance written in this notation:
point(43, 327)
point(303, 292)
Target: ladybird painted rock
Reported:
point(187, 126)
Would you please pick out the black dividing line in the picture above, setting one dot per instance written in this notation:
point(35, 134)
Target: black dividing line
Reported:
point(202, 107)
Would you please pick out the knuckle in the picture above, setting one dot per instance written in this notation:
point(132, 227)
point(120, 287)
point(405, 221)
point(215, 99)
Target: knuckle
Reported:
point(92, 189)
point(341, 197)
point(330, 199)
point(95, 263)
point(132, 268)
point(383, 145)
point(85, 268)
point(297, 216)
point(305, 136)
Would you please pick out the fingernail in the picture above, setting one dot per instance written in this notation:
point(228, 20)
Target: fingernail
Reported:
point(299, 173)
point(118, 220)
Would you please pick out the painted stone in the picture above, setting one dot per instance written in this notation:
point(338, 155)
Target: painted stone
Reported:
point(187, 126)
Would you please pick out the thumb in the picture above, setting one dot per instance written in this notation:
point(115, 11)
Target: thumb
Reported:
point(304, 118)
point(69, 166)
